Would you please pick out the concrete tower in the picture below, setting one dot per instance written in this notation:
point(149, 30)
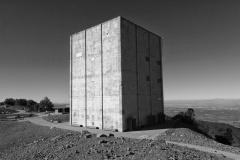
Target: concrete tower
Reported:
point(116, 77)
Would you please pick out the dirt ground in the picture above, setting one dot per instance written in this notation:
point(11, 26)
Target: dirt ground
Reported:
point(24, 140)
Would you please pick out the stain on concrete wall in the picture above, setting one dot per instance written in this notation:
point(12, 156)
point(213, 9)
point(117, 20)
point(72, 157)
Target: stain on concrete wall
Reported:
point(78, 79)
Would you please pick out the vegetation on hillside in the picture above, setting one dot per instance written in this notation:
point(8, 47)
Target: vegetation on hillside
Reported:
point(29, 105)
point(9, 101)
point(186, 117)
point(221, 134)
point(226, 138)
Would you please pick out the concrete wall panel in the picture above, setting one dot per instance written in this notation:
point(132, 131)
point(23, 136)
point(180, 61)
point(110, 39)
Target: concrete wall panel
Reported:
point(129, 71)
point(94, 78)
point(144, 109)
point(156, 79)
point(144, 103)
point(128, 46)
point(161, 71)
point(111, 74)
point(143, 64)
point(78, 79)
point(157, 105)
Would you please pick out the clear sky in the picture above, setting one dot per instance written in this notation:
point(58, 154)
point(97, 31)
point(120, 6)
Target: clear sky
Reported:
point(201, 44)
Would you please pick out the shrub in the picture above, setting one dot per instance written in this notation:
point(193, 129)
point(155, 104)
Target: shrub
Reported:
point(9, 101)
point(222, 139)
point(226, 137)
point(21, 102)
point(46, 104)
point(186, 117)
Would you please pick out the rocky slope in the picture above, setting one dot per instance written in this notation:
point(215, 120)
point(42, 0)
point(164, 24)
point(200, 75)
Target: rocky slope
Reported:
point(24, 140)
point(188, 136)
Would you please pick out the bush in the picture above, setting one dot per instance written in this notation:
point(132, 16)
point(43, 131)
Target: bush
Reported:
point(9, 101)
point(21, 102)
point(226, 138)
point(31, 102)
point(186, 117)
point(222, 139)
point(46, 104)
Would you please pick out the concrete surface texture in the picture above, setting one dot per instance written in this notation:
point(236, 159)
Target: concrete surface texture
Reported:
point(116, 77)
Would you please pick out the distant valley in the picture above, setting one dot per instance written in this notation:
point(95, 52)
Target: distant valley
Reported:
point(215, 110)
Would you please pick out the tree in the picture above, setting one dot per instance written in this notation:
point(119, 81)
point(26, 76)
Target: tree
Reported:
point(36, 108)
point(1, 103)
point(190, 113)
point(31, 102)
point(186, 117)
point(21, 102)
point(46, 104)
point(9, 101)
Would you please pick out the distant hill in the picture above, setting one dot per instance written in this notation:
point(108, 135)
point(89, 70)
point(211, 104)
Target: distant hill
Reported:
point(207, 102)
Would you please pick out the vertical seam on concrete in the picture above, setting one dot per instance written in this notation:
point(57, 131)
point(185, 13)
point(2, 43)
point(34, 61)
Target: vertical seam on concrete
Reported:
point(70, 80)
point(149, 50)
point(85, 77)
point(102, 73)
point(121, 81)
point(161, 69)
point(137, 75)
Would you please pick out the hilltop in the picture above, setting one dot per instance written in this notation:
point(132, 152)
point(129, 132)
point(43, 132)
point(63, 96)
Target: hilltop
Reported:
point(24, 140)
